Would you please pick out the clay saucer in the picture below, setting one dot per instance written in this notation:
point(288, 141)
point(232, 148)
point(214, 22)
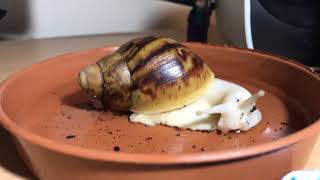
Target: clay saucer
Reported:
point(61, 133)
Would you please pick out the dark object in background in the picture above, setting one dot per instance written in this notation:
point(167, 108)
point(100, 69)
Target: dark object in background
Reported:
point(287, 28)
point(199, 21)
point(2, 13)
point(282, 27)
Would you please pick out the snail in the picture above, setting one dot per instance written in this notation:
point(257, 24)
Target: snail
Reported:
point(163, 82)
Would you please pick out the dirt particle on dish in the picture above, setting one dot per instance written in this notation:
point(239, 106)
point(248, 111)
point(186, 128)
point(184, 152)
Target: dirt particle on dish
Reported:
point(253, 141)
point(218, 132)
point(148, 138)
point(280, 128)
point(238, 100)
point(229, 137)
point(70, 136)
point(162, 151)
point(116, 148)
point(114, 137)
point(284, 123)
point(202, 149)
point(69, 117)
point(193, 146)
point(178, 134)
point(268, 122)
point(110, 132)
point(131, 146)
point(100, 118)
point(118, 130)
point(62, 113)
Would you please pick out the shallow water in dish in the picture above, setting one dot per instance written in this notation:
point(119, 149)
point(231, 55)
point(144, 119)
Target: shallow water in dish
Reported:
point(72, 118)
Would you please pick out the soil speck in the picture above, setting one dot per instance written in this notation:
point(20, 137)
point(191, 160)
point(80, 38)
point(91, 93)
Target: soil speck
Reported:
point(218, 132)
point(70, 136)
point(116, 148)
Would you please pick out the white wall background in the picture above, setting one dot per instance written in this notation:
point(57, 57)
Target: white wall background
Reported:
point(56, 18)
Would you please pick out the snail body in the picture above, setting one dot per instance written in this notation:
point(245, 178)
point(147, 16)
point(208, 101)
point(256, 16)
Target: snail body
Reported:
point(224, 106)
point(147, 75)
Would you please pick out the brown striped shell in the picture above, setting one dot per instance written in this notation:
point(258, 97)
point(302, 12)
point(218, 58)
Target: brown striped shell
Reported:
point(147, 75)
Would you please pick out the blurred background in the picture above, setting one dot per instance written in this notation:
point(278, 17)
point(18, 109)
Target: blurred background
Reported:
point(286, 27)
point(48, 19)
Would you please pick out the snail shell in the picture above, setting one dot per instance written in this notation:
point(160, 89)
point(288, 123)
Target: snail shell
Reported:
point(147, 75)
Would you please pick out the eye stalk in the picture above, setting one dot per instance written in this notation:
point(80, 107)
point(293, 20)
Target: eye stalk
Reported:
point(225, 107)
point(251, 100)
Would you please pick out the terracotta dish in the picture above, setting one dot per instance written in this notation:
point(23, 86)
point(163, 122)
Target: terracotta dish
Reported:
point(61, 133)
